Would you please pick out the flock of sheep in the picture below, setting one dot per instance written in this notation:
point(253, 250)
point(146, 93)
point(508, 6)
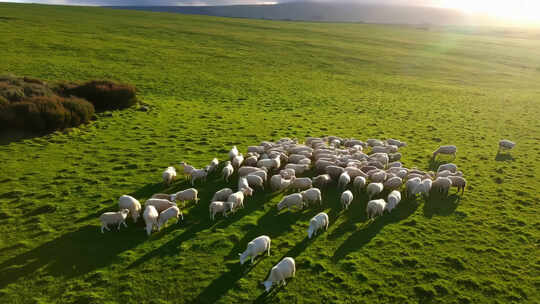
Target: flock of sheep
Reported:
point(334, 159)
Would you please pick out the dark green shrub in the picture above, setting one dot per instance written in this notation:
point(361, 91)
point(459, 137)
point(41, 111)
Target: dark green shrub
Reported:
point(103, 94)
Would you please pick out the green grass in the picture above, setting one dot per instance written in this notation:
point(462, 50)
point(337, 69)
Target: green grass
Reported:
point(214, 82)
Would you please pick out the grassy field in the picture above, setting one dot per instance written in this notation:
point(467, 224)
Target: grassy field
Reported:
point(214, 82)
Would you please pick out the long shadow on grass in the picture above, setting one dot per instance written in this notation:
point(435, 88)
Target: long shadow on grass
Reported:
point(503, 157)
point(72, 254)
point(442, 206)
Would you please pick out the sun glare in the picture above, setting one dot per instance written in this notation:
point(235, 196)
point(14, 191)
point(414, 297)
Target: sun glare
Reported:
point(523, 11)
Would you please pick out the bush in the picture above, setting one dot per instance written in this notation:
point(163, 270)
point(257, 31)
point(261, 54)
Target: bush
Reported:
point(103, 94)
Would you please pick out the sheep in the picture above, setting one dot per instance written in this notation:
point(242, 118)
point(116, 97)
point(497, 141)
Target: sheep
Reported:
point(334, 171)
point(312, 195)
point(346, 199)
point(237, 161)
point(450, 167)
point(237, 199)
point(212, 166)
point(186, 195)
point(169, 175)
point(272, 163)
point(411, 185)
point(186, 169)
point(256, 149)
point(383, 158)
point(344, 180)
point(354, 172)
point(305, 161)
point(443, 173)
point(255, 180)
point(222, 194)
point(227, 171)
point(375, 208)
point(150, 217)
point(359, 183)
point(442, 184)
point(321, 181)
point(162, 196)
point(393, 183)
point(215, 207)
point(377, 177)
point(159, 204)
point(424, 187)
point(116, 218)
point(319, 221)
point(233, 152)
point(396, 142)
point(374, 189)
point(506, 144)
point(295, 158)
point(245, 170)
point(322, 164)
point(169, 213)
point(251, 161)
point(374, 142)
point(286, 268)
point(448, 150)
point(254, 248)
point(243, 183)
point(298, 169)
point(459, 182)
point(395, 164)
point(382, 149)
point(287, 173)
point(130, 203)
point(198, 174)
point(291, 200)
point(301, 183)
point(393, 200)
point(394, 157)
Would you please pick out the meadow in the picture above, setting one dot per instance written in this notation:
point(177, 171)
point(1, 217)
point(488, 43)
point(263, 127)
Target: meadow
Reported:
point(211, 83)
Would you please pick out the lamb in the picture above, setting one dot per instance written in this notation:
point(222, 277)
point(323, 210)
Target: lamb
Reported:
point(286, 268)
point(506, 144)
point(319, 221)
point(227, 171)
point(450, 167)
point(393, 200)
point(212, 166)
point(298, 169)
point(245, 170)
point(442, 184)
point(312, 195)
point(215, 207)
point(150, 217)
point(233, 152)
point(374, 189)
point(222, 195)
point(186, 195)
point(169, 175)
point(198, 174)
point(321, 181)
point(411, 185)
point(116, 218)
point(459, 182)
point(344, 180)
point(393, 183)
point(254, 248)
point(159, 204)
point(448, 150)
point(346, 199)
point(375, 208)
point(255, 181)
point(359, 183)
point(301, 183)
point(130, 203)
point(291, 200)
point(169, 213)
point(237, 161)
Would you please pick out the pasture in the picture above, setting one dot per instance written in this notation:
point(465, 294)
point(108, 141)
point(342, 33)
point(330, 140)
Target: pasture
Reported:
point(211, 83)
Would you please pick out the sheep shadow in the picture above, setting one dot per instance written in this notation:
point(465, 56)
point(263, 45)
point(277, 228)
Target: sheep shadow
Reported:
point(442, 206)
point(503, 156)
point(72, 254)
point(363, 236)
point(355, 214)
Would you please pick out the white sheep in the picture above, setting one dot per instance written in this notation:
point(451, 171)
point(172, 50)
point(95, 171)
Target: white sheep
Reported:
point(374, 142)
point(334, 171)
point(393, 183)
point(113, 218)
point(213, 165)
point(300, 183)
point(459, 182)
point(318, 222)
point(215, 207)
point(305, 161)
point(506, 144)
point(447, 150)
point(130, 203)
point(359, 183)
point(375, 208)
point(162, 196)
point(251, 161)
point(233, 152)
point(291, 200)
point(236, 200)
point(354, 172)
point(222, 195)
point(295, 158)
point(374, 189)
point(272, 163)
point(237, 161)
point(255, 180)
point(321, 181)
point(298, 169)
point(198, 174)
point(442, 184)
point(245, 170)
point(169, 213)
point(344, 180)
point(346, 199)
point(396, 142)
point(169, 175)
point(312, 195)
point(261, 174)
point(393, 200)
point(286, 268)
point(424, 187)
point(150, 217)
point(411, 184)
point(159, 204)
point(227, 171)
point(450, 167)
point(287, 173)
point(254, 248)
point(394, 157)
point(378, 176)
point(186, 195)
point(256, 149)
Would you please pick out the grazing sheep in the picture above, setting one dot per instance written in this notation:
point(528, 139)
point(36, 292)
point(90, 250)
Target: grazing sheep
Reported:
point(411, 184)
point(159, 204)
point(287, 173)
point(291, 200)
point(394, 157)
point(186, 169)
point(442, 185)
point(245, 170)
point(186, 195)
point(212, 166)
point(251, 161)
point(396, 142)
point(359, 183)
point(450, 167)
point(198, 174)
point(215, 207)
point(393, 200)
point(312, 195)
point(237, 161)
point(322, 181)
point(459, 182)
point(374, 189)
point(300, 183)
point(374, 142)
point(286, 268)
point(424, 187)
point(130, 203)
point(227, 171)
point(237, 199)
point(506, 144)
point(255, 181)
point(169, 175)
point(319, 221)
point(254, 248)
point(381, 157)
point(298, 169)
point(375, 208)
point(270, 164)
point(150, 217)
point(222, 195)
point(169, 213)
point(447, 150)
point(393, 183)
point(346, 199)
point(233, 152)
point(344, 180)
point(162, 196)
point(113, 218)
